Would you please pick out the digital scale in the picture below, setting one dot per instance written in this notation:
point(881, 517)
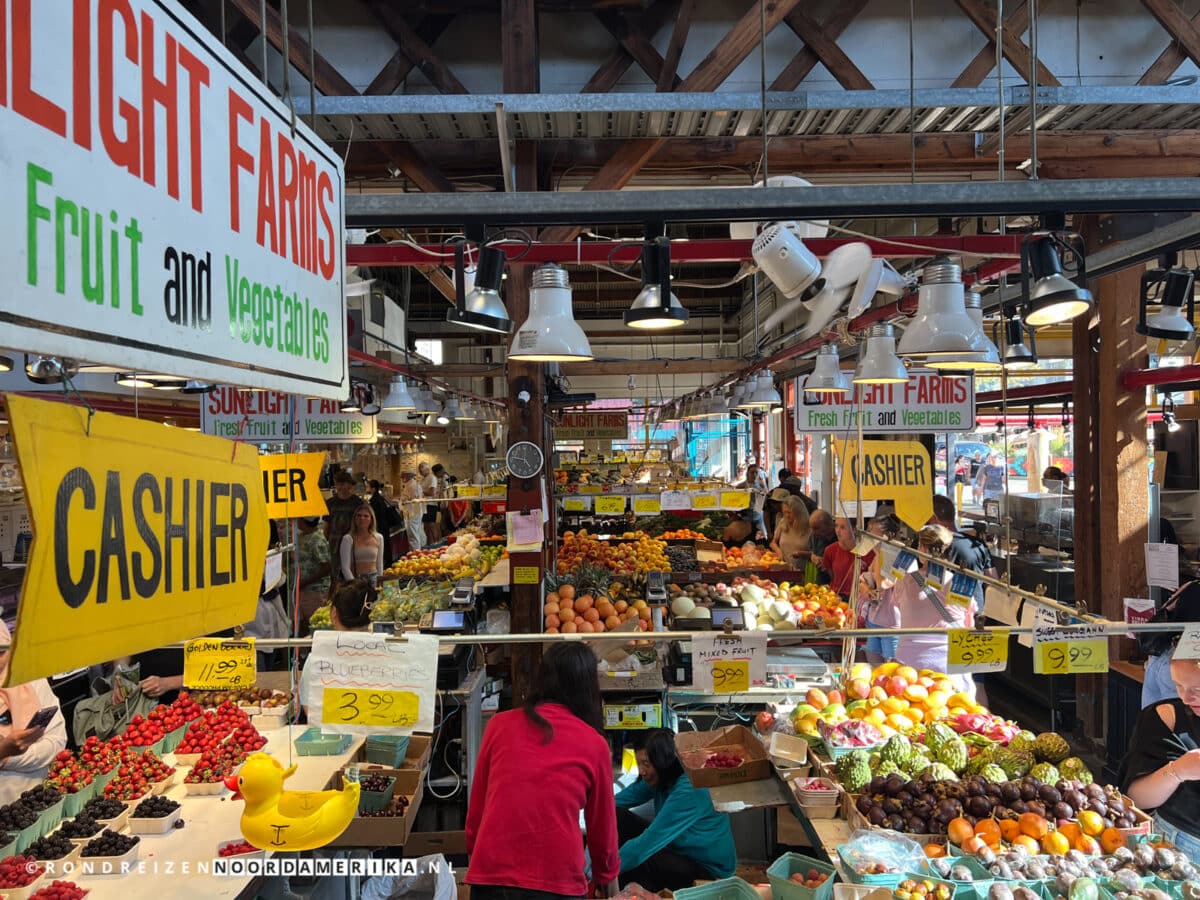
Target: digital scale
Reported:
point(464, 592)
point(656, 587)
point(728, 615)
point(458, 619)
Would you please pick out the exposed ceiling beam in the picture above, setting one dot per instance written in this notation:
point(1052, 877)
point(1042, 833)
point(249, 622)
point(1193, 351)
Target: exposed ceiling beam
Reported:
point(327, 79)
point(605, 78)
point(591, 367)
point(1178, 25)
point(1013, 47)
point(1017, 20)
point(1168, 61)
point(637, 44)
point(396, 69)
point(826, 48)
point(519, 46)
point(413, 45)
point(806, 60)
point(668, 78)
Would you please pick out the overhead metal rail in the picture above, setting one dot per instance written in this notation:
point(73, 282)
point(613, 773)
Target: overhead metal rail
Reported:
point(626, 115)
point(1008, 198)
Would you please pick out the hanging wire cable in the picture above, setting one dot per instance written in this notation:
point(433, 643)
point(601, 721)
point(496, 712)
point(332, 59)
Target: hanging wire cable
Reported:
point(1000, 105)
point(912, 99)
point(762, 86)
point(1033, 88)
point(262, 25)
point(312, 74)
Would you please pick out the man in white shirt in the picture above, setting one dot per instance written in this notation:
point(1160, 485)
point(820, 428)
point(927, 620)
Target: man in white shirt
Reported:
point(409, 493)
point(429, 489)
point(756, 484)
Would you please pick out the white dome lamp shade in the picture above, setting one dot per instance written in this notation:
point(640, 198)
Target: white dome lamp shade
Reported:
point(743, 392)
point(550, 334)
point(1052, 298)
point(764, 395)
point(879, 363)
point(746, 231)
point(716, 404)
point(827, 376)
point(649, 312)
point(426, 402)
point(398, 396)
point(481, 307)
point(942, 326)
point(1169, 322)
point(984, 356)
point(880, 277)
point(466, 412)
point(842, 270)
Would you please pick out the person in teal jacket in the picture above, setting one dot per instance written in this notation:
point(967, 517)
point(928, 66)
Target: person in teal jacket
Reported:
point(687, 839)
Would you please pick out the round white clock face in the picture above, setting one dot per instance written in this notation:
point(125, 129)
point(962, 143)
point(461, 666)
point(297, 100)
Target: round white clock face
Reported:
point(524, 459)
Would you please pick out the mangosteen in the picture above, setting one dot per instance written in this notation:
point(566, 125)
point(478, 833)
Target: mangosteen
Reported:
point(876, 816)
point(992, 790)
point(1049, 795)
point(1009, 792)
point(1093, 790)
point(1076, 798)
point(905, 797)
point(1108, 823)
point(928, 798)
point(1028, 791)
point(894, 785)
point(1098, 806)
point(892, 806)
point(1116, 806)
point(875, 785)
point(895, 823)
point(979, 806)
point(974, 789)
point(1037, 807)
point(947, 809)
point(913, 787)
point(914, 825)
point(1063, 811)
point(863, 804)
point(1019, 807)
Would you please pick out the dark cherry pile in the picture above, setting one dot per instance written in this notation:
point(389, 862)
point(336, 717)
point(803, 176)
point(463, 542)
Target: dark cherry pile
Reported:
point(52, 846)
point(15, 872)
point(103, 809)
point(111, 844)
point(375, 784)
point(41, 797)
point(59, 890)
point(155, 808)
point(83, 825)
point(396, 808)
point(723, 761)
point(17, 815)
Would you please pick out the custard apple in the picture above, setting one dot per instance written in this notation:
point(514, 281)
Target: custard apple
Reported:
point(1073, 769)
point(940, 772)
point(1045, 772)
point(937, 734)
point(1015, 763)
point(1024, 741)
point(1051, 747)
point(873, 761)
point(897, 749)
point(977, 763)
point(953, 753)
point(889, 768)
point(854, 770)
point(993, 773)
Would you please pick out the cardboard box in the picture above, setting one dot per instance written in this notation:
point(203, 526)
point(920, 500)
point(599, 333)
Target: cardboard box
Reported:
point(448, 843)
point(738, 740)
point(384, 831)
point(416, 758)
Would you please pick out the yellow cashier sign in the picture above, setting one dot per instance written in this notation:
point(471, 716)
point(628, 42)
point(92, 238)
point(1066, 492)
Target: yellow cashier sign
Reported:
point(143, 535)
point(889, 470)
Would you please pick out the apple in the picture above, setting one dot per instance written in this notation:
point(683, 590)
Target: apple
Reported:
point(878, 693)
point(896, 685)
point(858, 689)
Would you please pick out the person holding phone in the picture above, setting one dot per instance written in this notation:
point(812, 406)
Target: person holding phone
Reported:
point(32, 730)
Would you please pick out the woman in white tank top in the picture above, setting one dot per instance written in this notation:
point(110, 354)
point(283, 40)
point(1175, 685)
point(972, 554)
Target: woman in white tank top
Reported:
point(362, 547)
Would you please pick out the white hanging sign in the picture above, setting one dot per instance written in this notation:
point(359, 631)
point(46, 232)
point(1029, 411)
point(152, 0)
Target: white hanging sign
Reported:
point(359, 682)
point(266, 417)
point(926, 402)
point(165, 211)
point(730, 663)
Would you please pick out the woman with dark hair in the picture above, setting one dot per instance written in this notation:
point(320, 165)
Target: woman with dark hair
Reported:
point(537, 768)
point(350, 610)
point(687, 838)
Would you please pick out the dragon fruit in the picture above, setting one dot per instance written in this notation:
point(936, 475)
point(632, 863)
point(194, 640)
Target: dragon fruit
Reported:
point(854, 733)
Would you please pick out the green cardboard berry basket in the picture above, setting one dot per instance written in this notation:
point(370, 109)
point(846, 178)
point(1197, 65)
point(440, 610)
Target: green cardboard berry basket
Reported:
point(725, 889)
point(376, 801)
point(73, 804)
point(783, 888)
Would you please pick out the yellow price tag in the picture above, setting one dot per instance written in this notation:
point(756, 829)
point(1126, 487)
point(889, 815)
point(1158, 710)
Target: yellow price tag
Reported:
point(1072, 657)
point(496, 490)
point(576, 504)
point(610, 505)
point(525, 575)
point(647, 506)
point(617, 458)
point(977, 651)
point(362, 706)
point(469, 490)
point(591, 489)
point(213, 664)
point(735, 499)
point(704, 501)
point(730, 676)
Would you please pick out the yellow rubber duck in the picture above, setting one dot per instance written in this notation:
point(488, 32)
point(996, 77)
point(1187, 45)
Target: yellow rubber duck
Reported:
point(291, 821)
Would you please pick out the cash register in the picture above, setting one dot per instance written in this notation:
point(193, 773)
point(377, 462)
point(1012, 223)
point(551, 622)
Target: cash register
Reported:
point(459, 618)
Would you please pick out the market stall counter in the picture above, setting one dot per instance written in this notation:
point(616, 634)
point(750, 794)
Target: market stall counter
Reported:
point(177, 862)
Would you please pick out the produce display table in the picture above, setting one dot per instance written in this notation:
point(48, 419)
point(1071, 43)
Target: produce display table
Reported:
point(765, 792)
point(171, 861)
point(497, 578)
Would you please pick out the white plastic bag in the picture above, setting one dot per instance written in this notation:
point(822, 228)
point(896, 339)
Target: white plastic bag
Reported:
point(434, 881)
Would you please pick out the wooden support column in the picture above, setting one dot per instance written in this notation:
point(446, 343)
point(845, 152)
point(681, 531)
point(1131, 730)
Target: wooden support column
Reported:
point(1111, 495)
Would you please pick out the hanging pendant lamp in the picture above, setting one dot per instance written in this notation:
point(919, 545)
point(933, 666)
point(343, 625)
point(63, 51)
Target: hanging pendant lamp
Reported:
point(878, 363)
point(827, 376)
point(649, 312)
point(984, 356)
point(481, 307)
point(942, 326)
point(550, 334)
point(1052, 297)
point(398, 396)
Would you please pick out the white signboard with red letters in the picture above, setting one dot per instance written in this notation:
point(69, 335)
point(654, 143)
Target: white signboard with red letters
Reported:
point(927, 402)
point(162, 211)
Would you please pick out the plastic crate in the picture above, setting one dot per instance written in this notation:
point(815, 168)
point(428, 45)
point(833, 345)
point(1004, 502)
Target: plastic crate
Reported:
point(376, 801)
point(725, 889)
point(782, 888)
point(836, 753)
point(387, 749)
point(27, 836)
point(314, 742)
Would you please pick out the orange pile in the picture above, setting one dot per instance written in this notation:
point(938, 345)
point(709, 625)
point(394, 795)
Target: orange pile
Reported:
point(1037, 835)
point(683, 534)
point(568, 613)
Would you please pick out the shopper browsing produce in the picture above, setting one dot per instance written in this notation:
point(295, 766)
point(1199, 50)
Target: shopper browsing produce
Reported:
point(838, 559)
point(430, 489)
point(537, 768)
point(362, 549)
point(313, 561)
point(342, 506)
point(26, 752)
point(410, 494)
point(686, 840)
point(792, 534)
point(1159, 646)
point(824, 533)
point(1161, 774)
point(881, 609)
point(350, 610)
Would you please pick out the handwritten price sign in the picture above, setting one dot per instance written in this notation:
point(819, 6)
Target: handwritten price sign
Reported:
point(211, 664)
point(577, 504)
point(977, 651)
point(704, 501)
point(735, 499)
point(1069, 650)
point(647, 506)
point(360, 706)
point(731, 676)
point(612, 506)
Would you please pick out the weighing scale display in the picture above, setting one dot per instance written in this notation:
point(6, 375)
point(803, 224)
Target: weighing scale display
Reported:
point(448, 619)
point(732, 616)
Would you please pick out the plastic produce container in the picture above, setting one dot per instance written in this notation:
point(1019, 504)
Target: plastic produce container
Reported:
point(314, 742)
point(783, 888)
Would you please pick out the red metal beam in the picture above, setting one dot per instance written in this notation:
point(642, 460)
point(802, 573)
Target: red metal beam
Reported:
point(368, 359)
point(1006, 249)
point(1141, 378)
point(1025, 392)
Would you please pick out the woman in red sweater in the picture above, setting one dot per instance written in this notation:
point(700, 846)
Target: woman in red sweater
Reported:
point(537, 768)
